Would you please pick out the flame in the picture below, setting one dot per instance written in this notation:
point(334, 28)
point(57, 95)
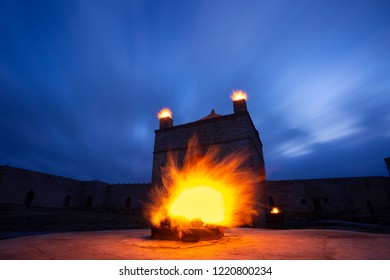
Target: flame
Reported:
point(239, 95)
point(217, 191)
point(204, 203)
point(164, 113)
point(275, 210)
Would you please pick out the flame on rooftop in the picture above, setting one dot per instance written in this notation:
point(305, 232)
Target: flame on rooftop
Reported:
point(164, 113)
point(239, 95)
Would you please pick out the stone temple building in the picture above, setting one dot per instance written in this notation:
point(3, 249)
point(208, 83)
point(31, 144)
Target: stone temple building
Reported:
point(229, 133)
point(359, 199)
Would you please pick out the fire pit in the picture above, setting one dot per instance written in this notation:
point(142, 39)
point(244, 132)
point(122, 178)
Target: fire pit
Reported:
point(275, 219)
point(195, 231)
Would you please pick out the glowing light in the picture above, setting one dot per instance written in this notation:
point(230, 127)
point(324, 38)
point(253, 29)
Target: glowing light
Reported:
point(202, 203)
point(216, 191)
point(275, 210)
point(164, 113)
point(239, 95)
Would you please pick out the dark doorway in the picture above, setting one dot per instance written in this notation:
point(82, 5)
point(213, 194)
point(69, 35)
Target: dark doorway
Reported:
point(67, 201)
point(317, 207)
point(271, 202)
point(29, 198)
point(370, 207)
point(128, 203)
point(89, 201)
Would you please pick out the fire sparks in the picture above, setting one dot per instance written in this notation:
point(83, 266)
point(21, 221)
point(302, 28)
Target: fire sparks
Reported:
point(239, 95)
point(275, 210)
point(164, 113)
point(206, 189)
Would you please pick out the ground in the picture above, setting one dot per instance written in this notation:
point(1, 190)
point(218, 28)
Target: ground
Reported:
point(239, 243)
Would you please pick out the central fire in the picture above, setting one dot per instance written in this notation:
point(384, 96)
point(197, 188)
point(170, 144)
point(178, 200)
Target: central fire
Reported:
point(203, 203)
point(210, 189)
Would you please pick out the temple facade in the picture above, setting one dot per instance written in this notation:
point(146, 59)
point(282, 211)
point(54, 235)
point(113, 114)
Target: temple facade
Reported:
point(229, 133)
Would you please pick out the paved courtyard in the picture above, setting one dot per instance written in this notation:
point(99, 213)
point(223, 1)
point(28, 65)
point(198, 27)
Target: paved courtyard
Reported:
point(241, 243)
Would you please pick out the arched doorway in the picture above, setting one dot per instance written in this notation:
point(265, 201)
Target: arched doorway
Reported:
point(271, 202)
point(370, 209)
point(317, 207)
point(67, 201)
point(89, 202)
point(128, 203)
point(29, 198)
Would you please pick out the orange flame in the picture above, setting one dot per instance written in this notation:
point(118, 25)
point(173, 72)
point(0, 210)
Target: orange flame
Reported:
point(275, 210)
point(239, 95)
point(207, 188)
point(164, 113)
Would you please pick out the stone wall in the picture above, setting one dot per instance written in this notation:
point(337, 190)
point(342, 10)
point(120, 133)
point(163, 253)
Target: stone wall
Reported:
point(30, 188)
point(364, 199)
point(128, 195)
point(20, 186)
point(361, 199)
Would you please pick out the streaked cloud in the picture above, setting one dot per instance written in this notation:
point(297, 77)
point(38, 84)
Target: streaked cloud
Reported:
point(81, 82)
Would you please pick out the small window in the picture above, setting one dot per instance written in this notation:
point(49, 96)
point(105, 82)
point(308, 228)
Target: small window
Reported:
point(303, 201)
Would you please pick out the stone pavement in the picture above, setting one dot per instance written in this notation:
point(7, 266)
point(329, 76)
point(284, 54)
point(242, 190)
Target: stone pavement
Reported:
point(239, 243)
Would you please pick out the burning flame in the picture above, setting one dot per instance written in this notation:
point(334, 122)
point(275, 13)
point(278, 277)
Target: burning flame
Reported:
point(164, 113)
point(239, 95)
point(207, 189)
point(275, 210)
point(188, 201)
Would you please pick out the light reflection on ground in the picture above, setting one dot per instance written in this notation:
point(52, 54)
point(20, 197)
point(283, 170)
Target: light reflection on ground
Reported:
point(242, 243)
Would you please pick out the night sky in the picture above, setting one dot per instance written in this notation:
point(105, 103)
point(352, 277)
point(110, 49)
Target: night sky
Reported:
point(81, 82)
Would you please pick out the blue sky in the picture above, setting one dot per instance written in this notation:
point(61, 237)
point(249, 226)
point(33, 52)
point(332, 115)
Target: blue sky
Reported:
point(81, 82)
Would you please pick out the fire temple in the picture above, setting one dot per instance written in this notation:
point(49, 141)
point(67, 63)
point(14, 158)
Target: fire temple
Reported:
point(356, 199)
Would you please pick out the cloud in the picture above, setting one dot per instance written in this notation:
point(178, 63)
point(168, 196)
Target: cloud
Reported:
point(294, 149)
point(81, 82)
point(329, 104)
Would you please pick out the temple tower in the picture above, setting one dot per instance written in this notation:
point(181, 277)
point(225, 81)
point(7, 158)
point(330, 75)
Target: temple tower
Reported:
point(231, 133)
